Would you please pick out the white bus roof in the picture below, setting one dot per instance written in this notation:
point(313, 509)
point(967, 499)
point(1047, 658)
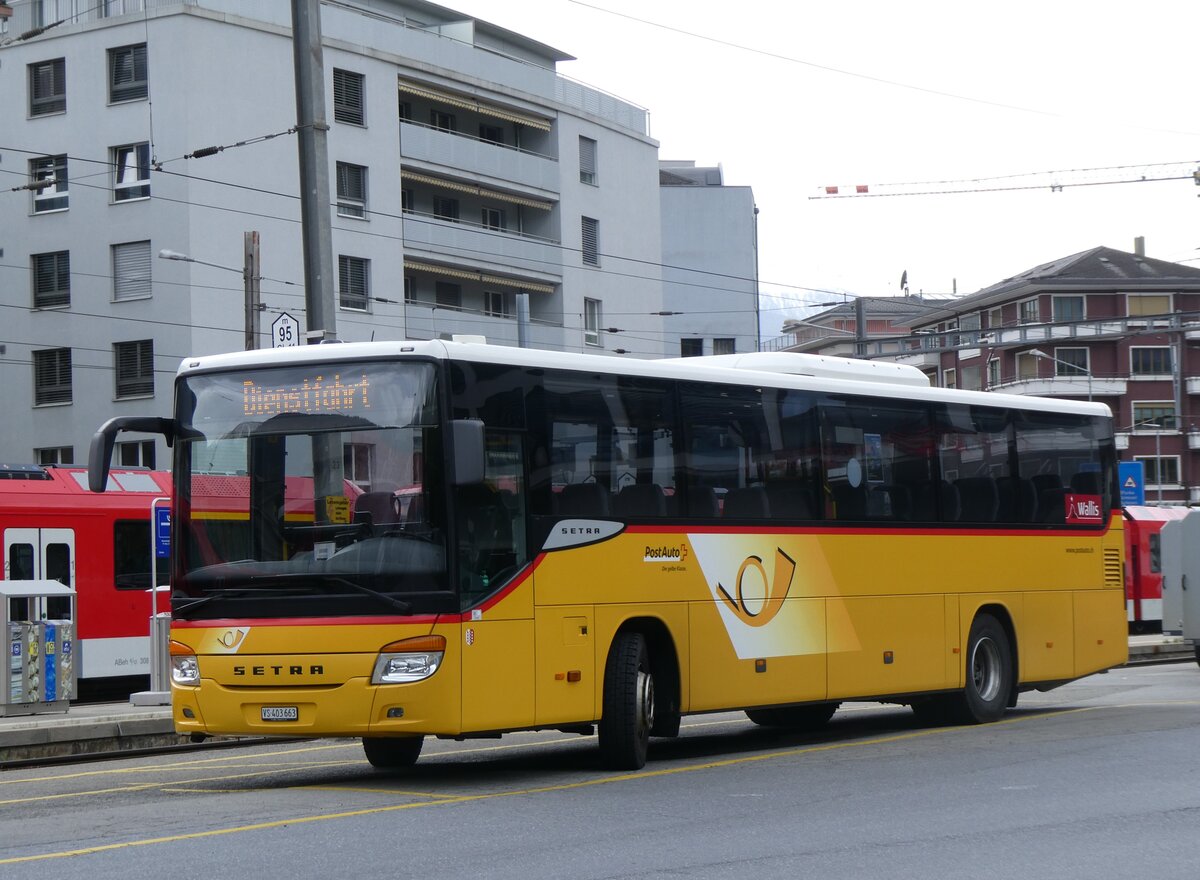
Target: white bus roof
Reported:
point(774, 369)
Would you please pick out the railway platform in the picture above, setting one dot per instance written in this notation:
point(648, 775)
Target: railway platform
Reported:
point(90, 730)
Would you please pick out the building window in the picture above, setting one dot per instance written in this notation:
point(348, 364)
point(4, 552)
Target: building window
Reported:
point(1154, 415)
point(127, 79)
point(405, 109)
point(52, 280)
point(724, 346)
point(950, 378)
point(1027, 311)
point(352, 282)
point(691, 348)
point(351, 190)
point(356, 463)
point(587, 161)
point(591, 321)
point(54, 455)
point(1150, 361)
point(493, 218)
point(348, 97)
point(993, 373)
point(48, 87)
point(406, 200)
point(493, 134)
point(52, 376)
point(131, 270)
point(1067, 308)
point(1071, 361)
point(448, 295)
point(131, 168)
point(971, 378)
point(134, 366)
point(995, 319)
point(1162, 471)
point(51, 171)
point(495, 303)
point(1139, 306)
point(410, 289)
point(1027, 366)
point(443, 121)
point(591, 241)
point(445, 208)
point(136, 453)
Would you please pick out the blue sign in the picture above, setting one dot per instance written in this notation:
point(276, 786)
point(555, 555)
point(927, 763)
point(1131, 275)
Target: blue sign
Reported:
point(1133, 482)
point(162, 532)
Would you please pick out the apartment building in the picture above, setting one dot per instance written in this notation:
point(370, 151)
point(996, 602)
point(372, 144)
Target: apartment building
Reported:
point(467, 178)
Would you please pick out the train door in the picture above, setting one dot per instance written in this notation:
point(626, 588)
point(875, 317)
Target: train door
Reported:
point(33, 554)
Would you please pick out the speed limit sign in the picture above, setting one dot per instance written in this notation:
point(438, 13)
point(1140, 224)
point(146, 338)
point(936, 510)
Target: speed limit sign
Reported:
point(285, 331)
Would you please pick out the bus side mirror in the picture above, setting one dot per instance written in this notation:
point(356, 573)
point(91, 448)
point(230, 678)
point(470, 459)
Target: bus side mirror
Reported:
point(466, 437)
point(100, 451)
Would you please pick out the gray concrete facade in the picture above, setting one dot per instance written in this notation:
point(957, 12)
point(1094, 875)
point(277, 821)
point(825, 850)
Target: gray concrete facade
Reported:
point(462, 191)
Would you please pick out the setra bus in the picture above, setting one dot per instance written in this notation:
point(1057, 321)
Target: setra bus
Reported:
point(541, 540)
point(100, 545)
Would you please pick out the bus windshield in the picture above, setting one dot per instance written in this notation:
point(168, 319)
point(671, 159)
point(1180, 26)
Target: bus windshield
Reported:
point(310, 490)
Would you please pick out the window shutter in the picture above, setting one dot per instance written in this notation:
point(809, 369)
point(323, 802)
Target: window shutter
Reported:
point(591, 251)
point(352, 283)
point(127, 73)
point(134, 367)
point(131, 270)
point(587, 160)
point(348, 97)
point(48, 87)
point(52, 376)
point(51, 280)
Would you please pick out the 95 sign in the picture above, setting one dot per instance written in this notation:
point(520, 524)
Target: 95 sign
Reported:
point(285, 331)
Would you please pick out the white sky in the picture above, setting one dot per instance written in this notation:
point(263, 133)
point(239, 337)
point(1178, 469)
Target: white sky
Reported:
point(1097, 83)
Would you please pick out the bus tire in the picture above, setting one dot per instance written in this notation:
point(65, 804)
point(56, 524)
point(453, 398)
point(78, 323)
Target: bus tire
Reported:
point(628, 711)
point(989, 672)
point(811, 717)
point(392, 752)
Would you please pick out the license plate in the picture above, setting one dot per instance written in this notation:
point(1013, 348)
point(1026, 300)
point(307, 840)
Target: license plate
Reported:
point(280, 713)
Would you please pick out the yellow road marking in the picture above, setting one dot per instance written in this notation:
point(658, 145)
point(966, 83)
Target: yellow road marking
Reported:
point(568, 786)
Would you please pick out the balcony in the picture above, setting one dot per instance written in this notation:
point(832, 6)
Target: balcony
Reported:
point(479, 247)
point(1063, 386)
point(440, 149)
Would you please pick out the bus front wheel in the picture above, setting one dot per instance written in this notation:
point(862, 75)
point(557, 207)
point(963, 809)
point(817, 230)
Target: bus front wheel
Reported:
point(392, 752)
point(628, 712)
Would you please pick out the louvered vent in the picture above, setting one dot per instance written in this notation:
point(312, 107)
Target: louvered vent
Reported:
point(1113, 574)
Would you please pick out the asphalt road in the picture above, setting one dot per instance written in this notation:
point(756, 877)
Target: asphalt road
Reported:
point(1097, 779)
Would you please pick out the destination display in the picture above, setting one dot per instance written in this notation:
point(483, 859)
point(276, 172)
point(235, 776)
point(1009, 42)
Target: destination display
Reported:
point(311, 395)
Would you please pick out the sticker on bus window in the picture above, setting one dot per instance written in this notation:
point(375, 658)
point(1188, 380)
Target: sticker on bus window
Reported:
point(1083, 509)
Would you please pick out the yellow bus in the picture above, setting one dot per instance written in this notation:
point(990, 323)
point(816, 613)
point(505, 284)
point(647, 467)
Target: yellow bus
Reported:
point(396, 540)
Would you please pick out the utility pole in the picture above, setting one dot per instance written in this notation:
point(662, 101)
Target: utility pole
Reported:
point(251, 278)
point(314, 170)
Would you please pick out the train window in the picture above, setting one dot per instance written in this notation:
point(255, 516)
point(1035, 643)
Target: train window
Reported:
point(131, 556)
point(20, 562)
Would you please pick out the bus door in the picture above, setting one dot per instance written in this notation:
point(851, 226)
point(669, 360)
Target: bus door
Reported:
point(35, 554)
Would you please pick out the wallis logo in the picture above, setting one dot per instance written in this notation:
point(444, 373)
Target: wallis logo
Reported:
point(757, 598)
point(1083, 509)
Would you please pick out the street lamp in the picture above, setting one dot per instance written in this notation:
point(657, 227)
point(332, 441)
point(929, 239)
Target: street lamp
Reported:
point(1038, 353)
point(250, 281)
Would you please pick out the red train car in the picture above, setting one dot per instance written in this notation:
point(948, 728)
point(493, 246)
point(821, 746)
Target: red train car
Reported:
point(1143, 565)
point(100, 544)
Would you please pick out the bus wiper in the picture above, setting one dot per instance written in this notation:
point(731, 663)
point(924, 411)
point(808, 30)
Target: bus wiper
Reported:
point(219, 593)
point(316, 579)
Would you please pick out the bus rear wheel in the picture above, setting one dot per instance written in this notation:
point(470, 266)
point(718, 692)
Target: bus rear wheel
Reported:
point(989, 675)
point(795, 717)
point(628, 712)
point(392, 752)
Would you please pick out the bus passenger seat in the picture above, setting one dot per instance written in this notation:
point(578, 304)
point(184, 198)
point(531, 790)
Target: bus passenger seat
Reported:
point(380, 507)
point(979, 499)
point(701, 502)
point(746, 502)
point(640, 499)
point(1018, 500)
point(850, 502)
point(790, 500)
point(583, 500)
point(1086, 483)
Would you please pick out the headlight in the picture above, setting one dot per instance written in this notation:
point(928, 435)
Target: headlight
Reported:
point(185, 669)
point(409, 660)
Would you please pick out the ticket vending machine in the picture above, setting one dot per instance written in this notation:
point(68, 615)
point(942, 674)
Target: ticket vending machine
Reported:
point(41, 670)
